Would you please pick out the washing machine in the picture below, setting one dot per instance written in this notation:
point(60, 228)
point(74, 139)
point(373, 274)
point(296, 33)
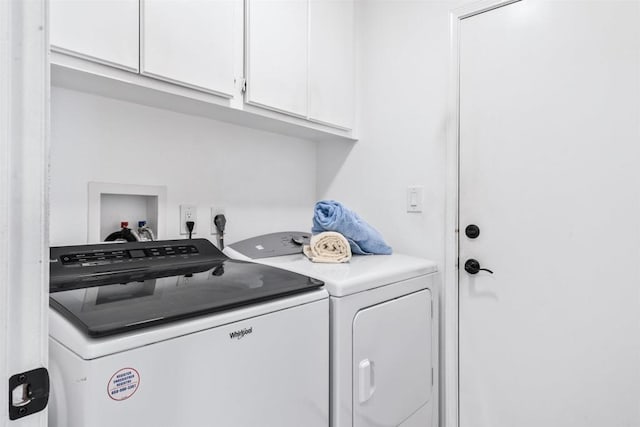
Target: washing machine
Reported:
point(174, 334)
point(383, 331)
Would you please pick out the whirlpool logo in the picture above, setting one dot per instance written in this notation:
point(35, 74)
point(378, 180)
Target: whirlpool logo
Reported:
point(241, 333)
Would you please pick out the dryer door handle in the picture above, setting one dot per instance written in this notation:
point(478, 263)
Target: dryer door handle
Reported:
point(366, 380)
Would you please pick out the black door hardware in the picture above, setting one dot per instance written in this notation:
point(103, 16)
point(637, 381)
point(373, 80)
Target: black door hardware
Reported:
point(472, 266)
point(28, 393)
point(472, 231)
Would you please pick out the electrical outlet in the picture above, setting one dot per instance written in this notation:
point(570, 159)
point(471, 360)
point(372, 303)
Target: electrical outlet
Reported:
point(215, 211)
point(188, 213)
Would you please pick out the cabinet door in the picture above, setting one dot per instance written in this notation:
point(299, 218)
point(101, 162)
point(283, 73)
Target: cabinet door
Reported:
point(276, 60)
point(190, 42)
point(105, 31)
point(392, 360)
point(331, 62)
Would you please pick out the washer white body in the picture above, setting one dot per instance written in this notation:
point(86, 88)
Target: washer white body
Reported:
point(195, 373)
point(384, 338)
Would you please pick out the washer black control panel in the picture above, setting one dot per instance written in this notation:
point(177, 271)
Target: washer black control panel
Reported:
point(73, 267)
point(102, 257)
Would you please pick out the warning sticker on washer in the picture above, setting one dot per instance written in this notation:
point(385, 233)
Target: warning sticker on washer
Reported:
point(123, 384)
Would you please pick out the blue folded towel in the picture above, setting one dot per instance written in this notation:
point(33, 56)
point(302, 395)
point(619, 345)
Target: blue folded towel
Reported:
point(330, 215)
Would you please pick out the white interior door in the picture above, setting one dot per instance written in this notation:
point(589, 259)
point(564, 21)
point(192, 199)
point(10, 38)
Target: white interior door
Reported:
point(24, 265)
point(549, 151)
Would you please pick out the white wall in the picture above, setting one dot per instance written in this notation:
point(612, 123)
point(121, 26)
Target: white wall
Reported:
point(265, 181)
point(403, 66)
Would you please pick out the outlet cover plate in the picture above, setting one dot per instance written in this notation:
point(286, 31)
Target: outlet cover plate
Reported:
point(188, 213)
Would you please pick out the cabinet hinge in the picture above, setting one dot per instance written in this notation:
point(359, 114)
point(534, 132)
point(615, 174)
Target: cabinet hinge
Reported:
point(28, 393)
point(432, 308)
point(432, 376)
point(243, 85)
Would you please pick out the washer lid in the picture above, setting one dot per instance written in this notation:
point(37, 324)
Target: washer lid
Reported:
point(113, 308)
point(362, 273)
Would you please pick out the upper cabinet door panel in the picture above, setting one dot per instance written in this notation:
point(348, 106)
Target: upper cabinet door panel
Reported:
point(105, 31)
point(190, 42)
point(331, 62)
point(277, 55)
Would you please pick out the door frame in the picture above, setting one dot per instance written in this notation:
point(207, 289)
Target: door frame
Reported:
point(24, 208)
point(451, 303)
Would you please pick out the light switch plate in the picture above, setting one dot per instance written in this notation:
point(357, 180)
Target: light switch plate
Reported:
point(415, 198)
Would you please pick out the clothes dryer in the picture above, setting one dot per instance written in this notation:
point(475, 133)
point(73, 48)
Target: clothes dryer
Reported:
point(383, 337)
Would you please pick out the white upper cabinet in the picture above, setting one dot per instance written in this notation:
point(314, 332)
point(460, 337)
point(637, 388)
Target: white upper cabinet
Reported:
point(331, 62)
point(300, 58)
point(191, 42)
point(297, 57)
point(277, 55)
point(105, 31)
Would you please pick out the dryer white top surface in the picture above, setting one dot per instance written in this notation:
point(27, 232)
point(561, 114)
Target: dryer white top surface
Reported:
point(362, 273)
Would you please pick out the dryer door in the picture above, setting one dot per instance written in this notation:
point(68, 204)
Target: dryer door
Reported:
point(392, 361)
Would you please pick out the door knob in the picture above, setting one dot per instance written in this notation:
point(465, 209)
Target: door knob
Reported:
point(472, 266)
point(472, 231)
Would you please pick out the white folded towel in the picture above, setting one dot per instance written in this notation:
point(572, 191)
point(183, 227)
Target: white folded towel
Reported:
point(329, 246)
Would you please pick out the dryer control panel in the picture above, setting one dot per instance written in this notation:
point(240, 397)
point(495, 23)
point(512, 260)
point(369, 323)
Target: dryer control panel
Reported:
point(272, 245)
